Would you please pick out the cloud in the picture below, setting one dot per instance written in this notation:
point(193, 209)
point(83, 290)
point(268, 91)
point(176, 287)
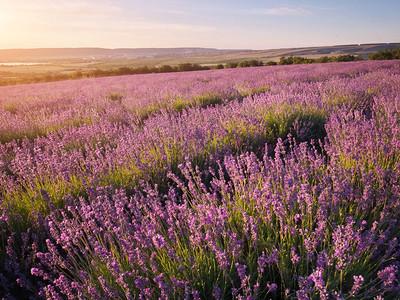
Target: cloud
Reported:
point(57, 7)
point(283, 11)
point(132, 26)
point(177, 27)
point(177, 12)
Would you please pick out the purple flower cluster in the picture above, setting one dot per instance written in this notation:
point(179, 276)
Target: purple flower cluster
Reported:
point(141, 227)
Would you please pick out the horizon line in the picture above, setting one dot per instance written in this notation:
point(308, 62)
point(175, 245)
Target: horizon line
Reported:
point(199, 47)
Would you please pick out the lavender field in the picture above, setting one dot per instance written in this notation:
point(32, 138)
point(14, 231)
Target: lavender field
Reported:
point(275, 182)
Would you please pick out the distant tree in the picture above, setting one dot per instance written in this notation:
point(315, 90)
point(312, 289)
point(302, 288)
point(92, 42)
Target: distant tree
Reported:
point(385, 54)
point(191, 67)
point(231, 64)
point(333, 59)
point(124, 71)
point(346, 57)
point(323, 59)
point(196, 67)
point(48, 77)
point(77, 75)
point(271, 63)
point(165, 69)
point(243, 64)
point(286, 60)
point(256, 63)
point(297, 60)
point(144, 70)
point(185, 67)
point(153, 69)
point(397, 53)
point(99, 73)
point(358, 58)
point(219, 66)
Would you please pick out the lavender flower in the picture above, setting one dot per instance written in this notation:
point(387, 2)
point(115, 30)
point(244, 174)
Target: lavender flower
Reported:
point(295, 257)
point(388, 277)
point(272, 287)
point(358, 282)
point(317, 278)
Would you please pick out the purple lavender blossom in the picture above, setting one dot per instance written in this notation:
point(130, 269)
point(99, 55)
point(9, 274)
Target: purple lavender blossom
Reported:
point(358, 282)
point(295, 257)
point(389, 277)
point(272, 287)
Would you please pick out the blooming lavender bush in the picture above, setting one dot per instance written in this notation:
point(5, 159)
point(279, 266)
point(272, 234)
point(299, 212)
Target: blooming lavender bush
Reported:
point(273, 227)
point(276, 182)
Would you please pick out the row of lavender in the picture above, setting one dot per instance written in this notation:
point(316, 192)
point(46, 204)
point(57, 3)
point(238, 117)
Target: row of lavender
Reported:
point(288, 220)
point(70, 160)
point(32, 110)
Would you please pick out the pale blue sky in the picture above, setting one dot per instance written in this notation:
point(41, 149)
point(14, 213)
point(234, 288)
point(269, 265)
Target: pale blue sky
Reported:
point(233, 24)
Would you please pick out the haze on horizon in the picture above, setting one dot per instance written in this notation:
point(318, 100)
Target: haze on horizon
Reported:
point(223, 24)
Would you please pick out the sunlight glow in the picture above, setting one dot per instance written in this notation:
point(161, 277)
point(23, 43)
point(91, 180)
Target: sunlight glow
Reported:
point(223, 24)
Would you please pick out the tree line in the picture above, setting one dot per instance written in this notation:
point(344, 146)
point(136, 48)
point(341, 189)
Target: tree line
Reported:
point(184, 67)
point(385, 54)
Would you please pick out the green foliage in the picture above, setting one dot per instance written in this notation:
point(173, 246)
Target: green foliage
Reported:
point(296, 60)
point(124, 71)
point(166, 69)
point(116, 97)
point(244, 64)
point(77, 75)
point(191, 67)
point(180, 104)
point(256, 63)
point(250, 63)
point(385, 54)
point(244, 92)
point(219, 66)
point(323, 59)
point(344, 58)
point(271, 63)
point(231, 64)
point(286, 61)
point(103, 73)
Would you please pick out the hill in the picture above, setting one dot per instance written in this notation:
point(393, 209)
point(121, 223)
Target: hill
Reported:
point(19, 66)
point(201, 55)
point(40, 54)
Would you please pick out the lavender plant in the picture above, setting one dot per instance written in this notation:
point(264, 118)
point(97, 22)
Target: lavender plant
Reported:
point(270, 227)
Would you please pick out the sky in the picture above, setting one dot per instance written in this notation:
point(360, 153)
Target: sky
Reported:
point(222, 24)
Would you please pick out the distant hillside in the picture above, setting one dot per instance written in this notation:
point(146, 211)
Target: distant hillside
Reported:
point(100, 53)
point(358, 49)
point(312, 52)
point(202, 55)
